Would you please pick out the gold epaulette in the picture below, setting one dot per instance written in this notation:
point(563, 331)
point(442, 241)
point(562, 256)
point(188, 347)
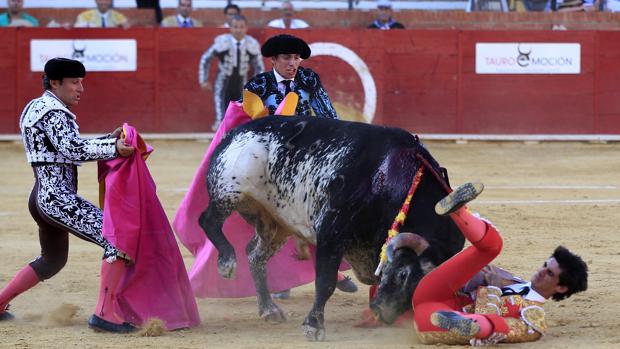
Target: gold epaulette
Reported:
point(529, 327)
point(87, 16)
point(117, 17)
point(534, 316)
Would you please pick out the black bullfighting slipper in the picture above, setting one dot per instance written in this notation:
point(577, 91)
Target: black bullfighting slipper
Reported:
point(455, 323)
point(5, 315)
point(100, 325)
point(459, 197)
point(346, 285)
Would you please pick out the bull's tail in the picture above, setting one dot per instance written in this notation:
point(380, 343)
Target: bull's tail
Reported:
point(440, 173)
point(431, 165)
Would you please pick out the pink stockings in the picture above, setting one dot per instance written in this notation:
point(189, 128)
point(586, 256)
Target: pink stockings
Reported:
point(111, 274)
point(23, 281)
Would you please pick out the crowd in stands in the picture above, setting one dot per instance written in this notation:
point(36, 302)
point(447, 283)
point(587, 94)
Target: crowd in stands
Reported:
point(547, 5)
point(105, 16)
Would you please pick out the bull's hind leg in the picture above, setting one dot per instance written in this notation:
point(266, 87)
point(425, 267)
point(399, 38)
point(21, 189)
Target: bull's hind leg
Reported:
point(268, 240)
point(211, 221)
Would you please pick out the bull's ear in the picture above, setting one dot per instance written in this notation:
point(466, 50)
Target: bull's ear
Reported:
point(410, 240)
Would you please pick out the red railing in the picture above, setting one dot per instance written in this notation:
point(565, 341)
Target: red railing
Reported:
point(425, 81)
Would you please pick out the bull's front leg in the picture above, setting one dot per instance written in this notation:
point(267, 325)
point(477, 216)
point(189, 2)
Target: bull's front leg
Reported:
point(328, 259)
point(211, 221)
point(259, 252)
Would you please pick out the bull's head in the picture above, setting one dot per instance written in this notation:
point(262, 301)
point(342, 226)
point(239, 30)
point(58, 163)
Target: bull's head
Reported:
point(405, 268)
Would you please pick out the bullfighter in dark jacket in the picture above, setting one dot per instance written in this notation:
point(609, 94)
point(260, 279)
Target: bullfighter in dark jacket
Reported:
point(286, 53)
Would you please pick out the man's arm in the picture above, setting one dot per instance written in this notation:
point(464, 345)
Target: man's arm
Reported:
point(491, 275)
point(62, 132)
point(520, 331)
point(120, 19)
point(529, 326)
point(319, 101)
point(257, 64)
point(321, 104)
point(256, 60)
point(205, 65)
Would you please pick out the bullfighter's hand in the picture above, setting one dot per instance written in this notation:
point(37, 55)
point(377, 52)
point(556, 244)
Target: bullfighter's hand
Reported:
point(206, 86)
point(123, 149)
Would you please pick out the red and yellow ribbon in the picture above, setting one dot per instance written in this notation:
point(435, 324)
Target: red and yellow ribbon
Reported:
point(400, 218)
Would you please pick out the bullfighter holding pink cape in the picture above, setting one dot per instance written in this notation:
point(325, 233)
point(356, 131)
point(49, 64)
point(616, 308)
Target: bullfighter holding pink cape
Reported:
point(155, 283)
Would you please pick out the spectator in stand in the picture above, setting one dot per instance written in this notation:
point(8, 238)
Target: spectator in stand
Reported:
point(579, 5)
point(231, 10)
point(152, 4)
point(182, 19)
point(486, 5)
point(237, 53)
point(102, 17)
point(384, 19)
point(16, 17)
point(593, 5)
point(541, 5)
point(287, 21)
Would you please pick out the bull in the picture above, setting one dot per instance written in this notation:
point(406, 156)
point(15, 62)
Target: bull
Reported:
point(337, 185)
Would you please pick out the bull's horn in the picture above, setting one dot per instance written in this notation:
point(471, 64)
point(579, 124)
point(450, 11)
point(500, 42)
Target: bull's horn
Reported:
point(410, 240)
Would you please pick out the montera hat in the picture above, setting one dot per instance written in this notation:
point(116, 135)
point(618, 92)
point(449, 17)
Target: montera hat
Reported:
point(285, 43)
point(59, 68)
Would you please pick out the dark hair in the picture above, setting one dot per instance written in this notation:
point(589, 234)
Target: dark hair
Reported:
point(47, 85)
point(574, 275)
point(229, 6)
point(238, 18)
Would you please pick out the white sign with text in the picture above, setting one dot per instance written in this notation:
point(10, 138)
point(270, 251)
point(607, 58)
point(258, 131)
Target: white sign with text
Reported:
point(528, 58)
point(95, 54)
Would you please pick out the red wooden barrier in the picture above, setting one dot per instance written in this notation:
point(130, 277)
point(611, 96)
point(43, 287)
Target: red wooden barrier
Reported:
point(425, 81)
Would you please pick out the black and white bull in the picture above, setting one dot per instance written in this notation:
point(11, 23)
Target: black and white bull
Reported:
point(337, 185)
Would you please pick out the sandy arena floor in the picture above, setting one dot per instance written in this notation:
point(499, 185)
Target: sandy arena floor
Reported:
point(539, 195)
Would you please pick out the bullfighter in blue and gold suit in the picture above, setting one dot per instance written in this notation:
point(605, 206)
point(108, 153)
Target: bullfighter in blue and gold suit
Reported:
point(286, 53)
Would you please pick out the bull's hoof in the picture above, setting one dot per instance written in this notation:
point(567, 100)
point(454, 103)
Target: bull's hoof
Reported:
point(314, 334)
point(227, 267)
point(273, 314)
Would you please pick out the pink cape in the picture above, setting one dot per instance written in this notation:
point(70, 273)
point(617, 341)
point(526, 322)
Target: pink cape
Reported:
point(156, 285)
point(284, 270)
